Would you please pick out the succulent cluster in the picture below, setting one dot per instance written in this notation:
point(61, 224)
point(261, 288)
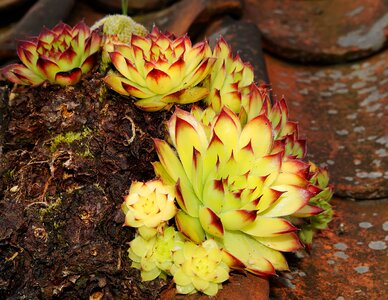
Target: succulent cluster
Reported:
point(239, 175)
point(59, 55)
point(232, 172)
point(160, 70)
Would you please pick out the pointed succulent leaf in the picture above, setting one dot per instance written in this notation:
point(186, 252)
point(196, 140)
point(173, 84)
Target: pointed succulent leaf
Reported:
point(170, 162)
point(237, 219)
point(308, 211)
point(115, 81)
point(188, 140)
point(187, 199)
point(293, 199)
point(213, 194)
point(161, 173)
point(190, 227)
point(268, 197)
point(227, 128)
point(232, 261)
point(186, 96)
point(68, 78)
point(21, 75)
point(210, 222)
point(257, 258)
point(283, 242)
point(258, 132)
point(47, 68)
point(150, 104)
point(264, 227)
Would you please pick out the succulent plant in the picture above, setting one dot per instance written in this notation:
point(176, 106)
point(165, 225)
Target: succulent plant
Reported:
point(228, 79)
point(160, 70)
point(236, 166)
point(59, 55)
point(230, 186)
point(251, 102)
point(286, 131)
point(199, 268)
point(318, 213)
point(154, 257)
point(148, 206)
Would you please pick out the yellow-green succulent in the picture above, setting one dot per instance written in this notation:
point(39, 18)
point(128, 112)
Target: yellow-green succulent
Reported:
point(230, 186)
point(199, 268)
point(236, 166)
point(154, 257)
point(318, 212)
point(160, 70)
point(148, 206)
point(228, 78)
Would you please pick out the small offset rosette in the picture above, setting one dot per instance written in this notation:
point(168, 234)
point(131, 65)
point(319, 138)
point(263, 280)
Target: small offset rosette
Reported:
point(148, 207)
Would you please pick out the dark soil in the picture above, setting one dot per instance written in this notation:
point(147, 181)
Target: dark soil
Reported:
point(67, 159)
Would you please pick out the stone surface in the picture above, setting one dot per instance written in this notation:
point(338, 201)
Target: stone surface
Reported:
point(321, 31)
point(342, 111)
point(11, 10)
point(114, 6)
point(9, 5)
point(247, 287)
point(43, 13)
point(82, 11)
point(346, 261)
point(194, 12)
point(169, 19)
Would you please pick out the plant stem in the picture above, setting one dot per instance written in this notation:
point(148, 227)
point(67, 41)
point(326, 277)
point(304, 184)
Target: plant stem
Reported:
point(124, 7)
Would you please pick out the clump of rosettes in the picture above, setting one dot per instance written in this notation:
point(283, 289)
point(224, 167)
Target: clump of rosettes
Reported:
point(160, 70)
point(228, 79)
point(59, 55)
point(237, 167)
point(154, 257)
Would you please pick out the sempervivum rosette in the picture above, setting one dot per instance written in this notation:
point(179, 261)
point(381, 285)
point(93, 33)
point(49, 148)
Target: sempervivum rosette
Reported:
point(199, 268)
point(318, 212)
point(160, 70)
point(59, 55)
point(148, 206)
point(230, 186)
point(228, 79)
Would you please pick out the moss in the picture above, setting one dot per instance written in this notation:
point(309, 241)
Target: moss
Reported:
point(51, 208)
point(86, 153)
point(8, 175)
point(68, 138)
point(50, 216)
